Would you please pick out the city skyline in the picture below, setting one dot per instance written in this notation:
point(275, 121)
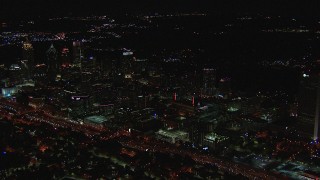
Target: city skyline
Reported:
point(159, 89)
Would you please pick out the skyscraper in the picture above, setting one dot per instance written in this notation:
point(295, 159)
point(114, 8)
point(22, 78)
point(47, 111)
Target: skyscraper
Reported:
point(28, 57)
point(309, 105)
point(65, 57)
point(52, 65)
point(127, 69)
point(209, 82)
point(77, 53)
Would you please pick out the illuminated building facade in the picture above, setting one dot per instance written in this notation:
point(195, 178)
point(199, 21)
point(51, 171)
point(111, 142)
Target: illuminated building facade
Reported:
point(209, 82)
point(28, 57)
point(172, 136)
point(127, 66)
point(77, 53)
point(65, 57)
point(213, 140)
point(52, 64)
point(9, 91)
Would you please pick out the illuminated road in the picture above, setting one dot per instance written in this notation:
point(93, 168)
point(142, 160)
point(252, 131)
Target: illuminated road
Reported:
point(228, 166)
point(31, 115)
point(145, 144)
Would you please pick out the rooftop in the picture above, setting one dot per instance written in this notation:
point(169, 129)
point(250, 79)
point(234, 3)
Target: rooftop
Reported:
point(96, 119)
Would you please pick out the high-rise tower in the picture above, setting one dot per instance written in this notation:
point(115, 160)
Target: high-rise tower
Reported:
point(65, 58)
point(52, 65)
point(127, 68)
point(28, 57)
point(209, 82)
point(77, 53)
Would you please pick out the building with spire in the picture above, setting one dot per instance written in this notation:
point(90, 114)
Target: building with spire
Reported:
point(52, 64)
point(28, 58)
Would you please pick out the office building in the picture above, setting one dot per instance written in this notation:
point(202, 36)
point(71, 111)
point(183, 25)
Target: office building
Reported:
point(52, 64)
point(209, 82)
point(28, 58)
point(65, 57)
point(77, 53)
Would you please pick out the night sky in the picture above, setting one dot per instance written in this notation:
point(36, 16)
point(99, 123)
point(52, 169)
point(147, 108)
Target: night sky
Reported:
point(32, 8)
